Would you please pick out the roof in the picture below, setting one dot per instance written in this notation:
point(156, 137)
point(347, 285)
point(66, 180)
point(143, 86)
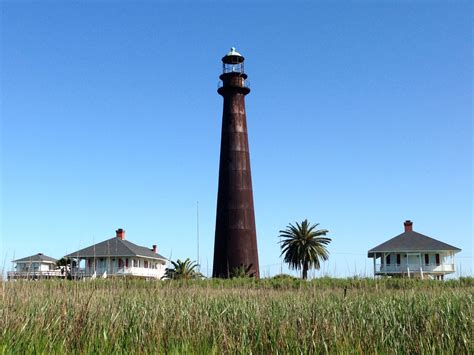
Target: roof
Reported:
point(115, 247)
point(36, 259)
point(234, 53)
point(412, 241)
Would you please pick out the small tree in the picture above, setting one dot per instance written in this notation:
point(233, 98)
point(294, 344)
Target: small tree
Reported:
point(66, 262)
point(303, 246)
point(183, 270)
point(65, 266)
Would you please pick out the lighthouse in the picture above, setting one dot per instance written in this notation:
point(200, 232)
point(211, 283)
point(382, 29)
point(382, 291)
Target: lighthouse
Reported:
point(235, 244)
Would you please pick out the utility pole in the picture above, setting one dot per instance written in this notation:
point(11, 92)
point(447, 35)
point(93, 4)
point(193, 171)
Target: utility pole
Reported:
point(197, 235)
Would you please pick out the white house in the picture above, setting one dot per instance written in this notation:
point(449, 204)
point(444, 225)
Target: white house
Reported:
point(33, 267)
point(414, 255)
point(117, 257)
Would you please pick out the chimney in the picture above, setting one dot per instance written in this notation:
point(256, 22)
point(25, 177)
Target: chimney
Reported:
point(408, 226)
point(120, 234)
point(153, 249)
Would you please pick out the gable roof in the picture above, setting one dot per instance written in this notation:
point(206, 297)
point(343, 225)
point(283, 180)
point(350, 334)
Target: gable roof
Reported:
point(412, 241)
point(115, 247)
point(37, 258)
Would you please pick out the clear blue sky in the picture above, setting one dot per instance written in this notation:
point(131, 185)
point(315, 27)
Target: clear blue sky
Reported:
point(360, 117)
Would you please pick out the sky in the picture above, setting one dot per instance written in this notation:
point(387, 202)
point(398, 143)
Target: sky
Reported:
point(360, 117)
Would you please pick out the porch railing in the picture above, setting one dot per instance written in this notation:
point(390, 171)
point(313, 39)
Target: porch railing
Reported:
point(404, 268)
point(33, 274)
point(125, 271)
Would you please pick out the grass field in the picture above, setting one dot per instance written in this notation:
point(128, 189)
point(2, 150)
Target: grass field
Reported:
point(237, 316)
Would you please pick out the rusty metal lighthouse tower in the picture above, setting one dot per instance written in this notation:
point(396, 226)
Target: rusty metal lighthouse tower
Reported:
point(235, 244)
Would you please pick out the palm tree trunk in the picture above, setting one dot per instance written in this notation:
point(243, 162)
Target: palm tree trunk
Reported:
point(305, 270)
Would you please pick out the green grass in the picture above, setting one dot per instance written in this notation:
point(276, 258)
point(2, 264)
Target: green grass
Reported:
point(237, 316)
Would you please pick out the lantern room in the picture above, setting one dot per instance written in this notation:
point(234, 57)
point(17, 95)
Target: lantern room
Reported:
point(233, 62)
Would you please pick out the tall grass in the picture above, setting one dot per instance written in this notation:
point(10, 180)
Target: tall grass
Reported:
point(237, 316)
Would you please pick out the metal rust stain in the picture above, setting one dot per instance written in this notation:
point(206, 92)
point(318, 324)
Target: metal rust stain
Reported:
point(235, 239)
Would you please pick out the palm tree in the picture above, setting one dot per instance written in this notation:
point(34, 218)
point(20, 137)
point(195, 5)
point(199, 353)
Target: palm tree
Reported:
point(303, 246)
point(183, 270)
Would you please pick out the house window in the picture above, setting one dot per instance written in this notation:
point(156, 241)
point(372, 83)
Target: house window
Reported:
point(427, 259)
point(388, 259)
point(120, 263)
point(146, 264)
point(398, 259)
point(437, 259)
point(89, 263)
point(126, 262)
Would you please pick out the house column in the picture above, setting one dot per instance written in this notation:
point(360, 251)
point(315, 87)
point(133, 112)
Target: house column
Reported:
point(408, 265)
point(382, 265)
point(454, 261)
point(421, 265)
point(375, 258)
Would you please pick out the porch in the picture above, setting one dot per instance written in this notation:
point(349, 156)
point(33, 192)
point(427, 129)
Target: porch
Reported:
point(414, 264)
point(381, 269)
point(117, 272)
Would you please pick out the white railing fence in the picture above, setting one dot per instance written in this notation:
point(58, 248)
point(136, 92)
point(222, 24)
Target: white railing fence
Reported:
point(416, 267)
point(33, 274)
point(125, 271)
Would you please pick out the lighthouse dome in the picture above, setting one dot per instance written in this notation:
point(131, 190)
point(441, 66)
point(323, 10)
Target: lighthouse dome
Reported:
point(233, 52)
point(233, 57)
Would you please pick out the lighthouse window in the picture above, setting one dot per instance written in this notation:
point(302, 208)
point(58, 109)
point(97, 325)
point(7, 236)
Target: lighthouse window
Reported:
point(233, 68)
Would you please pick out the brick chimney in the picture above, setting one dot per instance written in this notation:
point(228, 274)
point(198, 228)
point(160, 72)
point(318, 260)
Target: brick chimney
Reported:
point(154, 249)
point(408, 226)
point(120, 234)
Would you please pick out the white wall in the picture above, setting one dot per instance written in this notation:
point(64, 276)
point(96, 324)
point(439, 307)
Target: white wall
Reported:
point(32, 267)
point(136, 266)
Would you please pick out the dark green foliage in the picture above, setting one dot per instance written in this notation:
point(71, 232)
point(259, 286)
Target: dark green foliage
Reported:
point(303, 246)
point(282, 277)
point(242, 271)
point(65, 262)
point(183, 270)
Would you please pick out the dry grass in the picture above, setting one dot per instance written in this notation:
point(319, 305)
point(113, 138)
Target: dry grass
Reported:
point(237, 316)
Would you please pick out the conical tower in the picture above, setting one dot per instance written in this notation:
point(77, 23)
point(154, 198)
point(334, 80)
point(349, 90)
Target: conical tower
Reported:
point(235, 243)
